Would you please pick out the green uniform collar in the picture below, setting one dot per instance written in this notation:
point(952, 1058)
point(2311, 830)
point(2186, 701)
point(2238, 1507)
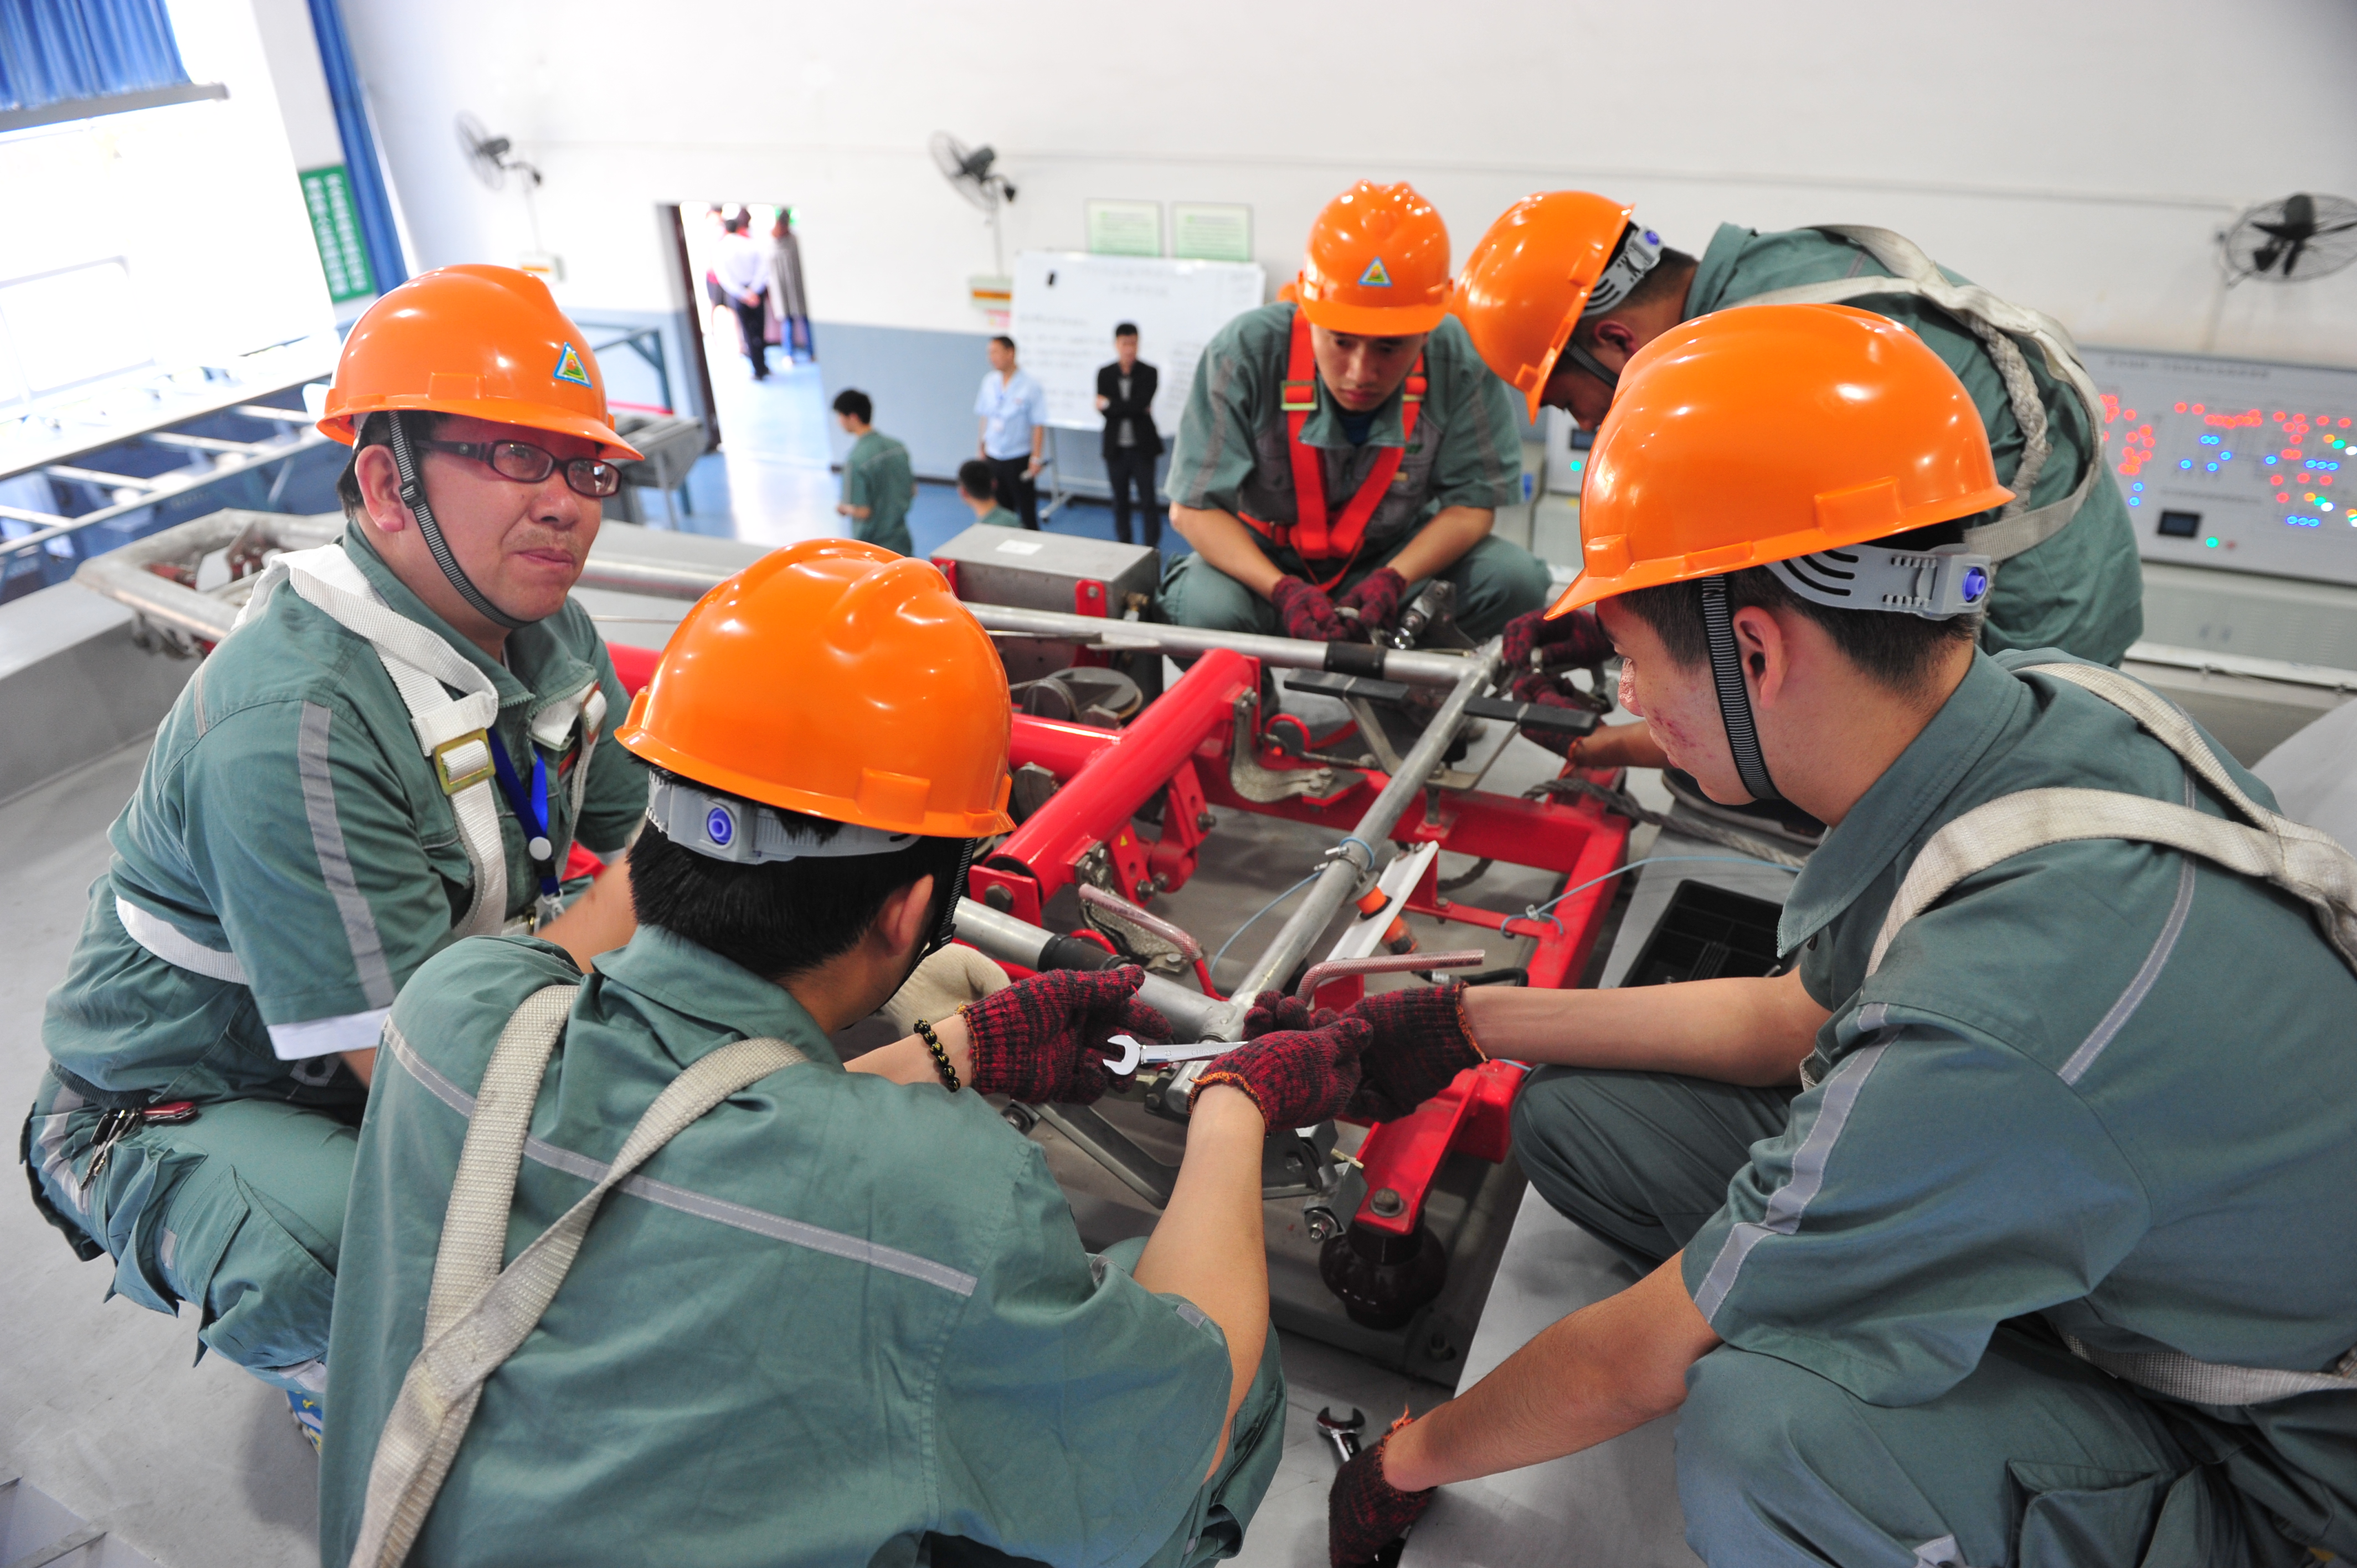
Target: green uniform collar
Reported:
point(1895, 807)
point(726, 1000)
point(1716, 270)
point(539, 670)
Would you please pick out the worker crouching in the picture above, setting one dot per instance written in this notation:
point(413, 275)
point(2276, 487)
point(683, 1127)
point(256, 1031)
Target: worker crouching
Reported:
point(759, 1306)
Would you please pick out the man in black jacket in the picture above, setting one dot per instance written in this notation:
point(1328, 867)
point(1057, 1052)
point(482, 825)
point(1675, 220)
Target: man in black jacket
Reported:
point(1125, 398)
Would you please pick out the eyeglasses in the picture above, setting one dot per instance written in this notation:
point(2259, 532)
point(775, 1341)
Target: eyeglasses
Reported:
point(529, 465)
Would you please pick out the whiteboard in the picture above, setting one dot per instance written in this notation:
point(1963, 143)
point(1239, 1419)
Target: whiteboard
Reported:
point(1068, 303)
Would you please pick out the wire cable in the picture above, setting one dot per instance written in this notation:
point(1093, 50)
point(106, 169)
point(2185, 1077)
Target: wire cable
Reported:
point(1539, 911)
point(1264, 909)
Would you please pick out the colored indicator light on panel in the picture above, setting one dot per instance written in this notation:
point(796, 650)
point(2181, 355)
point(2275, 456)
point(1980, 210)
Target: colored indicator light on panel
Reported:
point(2199, 409)
point(2344, 424)
point(2209, 441)
point(2283, 495)
point(2185, 462)
point(2137, 486)
point(2209, 468)
point(2135, 501)
point(2181, 408)
point(2272, 458)
point(2211, 543)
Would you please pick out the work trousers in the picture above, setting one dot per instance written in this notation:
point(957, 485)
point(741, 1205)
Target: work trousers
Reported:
point(241, 1211)
point(1496, 581)
point(754, 320)
point(2035, 1460)
point(1016, 492)
point(1215, 1529)
point(1130, 472)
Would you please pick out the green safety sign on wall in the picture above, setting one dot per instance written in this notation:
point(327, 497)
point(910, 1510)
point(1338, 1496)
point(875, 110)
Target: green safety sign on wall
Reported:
point(343, 255)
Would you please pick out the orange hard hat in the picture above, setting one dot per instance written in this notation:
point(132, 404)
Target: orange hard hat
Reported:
point(1768, 432)
point(479, 340)
point(1376, 264)
point(839, 680)
point(1529, 279)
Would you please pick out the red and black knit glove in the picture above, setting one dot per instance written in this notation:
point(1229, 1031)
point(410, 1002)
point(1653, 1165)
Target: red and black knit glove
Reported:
point(1418, 1044)
point(1536, 649)
point(1308, 614)
point(1273, 1010)
point(1043, 1040)
point(1376, 598)
point(1297, 1077)
point(1365, 1513)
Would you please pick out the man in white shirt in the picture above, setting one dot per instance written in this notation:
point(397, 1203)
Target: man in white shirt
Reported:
point(744, 272)
point(1013, 412)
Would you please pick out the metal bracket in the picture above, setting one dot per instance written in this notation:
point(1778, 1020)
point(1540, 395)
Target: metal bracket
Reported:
point(1265, 786)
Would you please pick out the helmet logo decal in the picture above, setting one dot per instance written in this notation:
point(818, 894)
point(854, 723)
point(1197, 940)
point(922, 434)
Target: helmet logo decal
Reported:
point(719, 826)
point(1375, 276)
point(569, 368)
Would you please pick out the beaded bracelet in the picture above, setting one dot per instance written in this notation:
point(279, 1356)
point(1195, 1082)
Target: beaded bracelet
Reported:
point(941, 1057)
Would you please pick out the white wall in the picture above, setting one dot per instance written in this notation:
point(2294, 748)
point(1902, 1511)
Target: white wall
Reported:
point(2074, 155)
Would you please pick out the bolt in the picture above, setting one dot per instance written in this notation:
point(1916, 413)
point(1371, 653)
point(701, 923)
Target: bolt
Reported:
point(1439, 1349)
point(1143, 888)
point(1205, 822)
point(1293, 1164)
point(1321, 1223)
point(998, 897)
point(1387, 1203)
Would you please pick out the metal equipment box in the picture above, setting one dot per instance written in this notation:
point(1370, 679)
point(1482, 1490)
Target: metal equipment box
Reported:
point(988, 565)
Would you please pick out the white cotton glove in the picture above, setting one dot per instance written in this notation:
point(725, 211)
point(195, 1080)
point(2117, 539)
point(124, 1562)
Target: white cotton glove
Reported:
point(942, 983)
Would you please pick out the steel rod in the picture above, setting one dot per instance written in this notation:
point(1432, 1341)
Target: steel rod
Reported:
point(1341, 878)
point(1010, 941)
point(1415, 667)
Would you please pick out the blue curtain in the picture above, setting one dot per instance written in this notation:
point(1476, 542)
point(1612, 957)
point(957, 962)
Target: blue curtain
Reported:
point(372, 202)
point(54, 51)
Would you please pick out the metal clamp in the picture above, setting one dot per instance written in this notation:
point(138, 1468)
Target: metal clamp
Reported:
point(452, 782)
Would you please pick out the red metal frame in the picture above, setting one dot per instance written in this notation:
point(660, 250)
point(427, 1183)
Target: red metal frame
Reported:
point(1183, 742)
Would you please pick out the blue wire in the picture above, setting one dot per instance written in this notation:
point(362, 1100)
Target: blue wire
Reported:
point(1213, 967)
point(1539, 911)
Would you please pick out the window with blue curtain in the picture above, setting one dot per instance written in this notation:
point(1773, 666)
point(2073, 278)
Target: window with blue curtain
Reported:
point(60, 52)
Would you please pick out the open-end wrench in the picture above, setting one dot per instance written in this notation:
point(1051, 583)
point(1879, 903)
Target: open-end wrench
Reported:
point(1343, 1435)
point(1137, 1053)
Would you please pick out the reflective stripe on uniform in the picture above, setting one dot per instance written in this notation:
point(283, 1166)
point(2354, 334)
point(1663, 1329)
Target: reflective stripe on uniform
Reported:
point(335, 860)
point(793, 1232)
point(1789, 1202)
point(174, 946)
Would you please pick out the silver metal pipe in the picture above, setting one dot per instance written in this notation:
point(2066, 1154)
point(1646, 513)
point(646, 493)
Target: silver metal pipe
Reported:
point(1416, 666)
point(124, 574)
point(1343, 869)
point(1010, 941)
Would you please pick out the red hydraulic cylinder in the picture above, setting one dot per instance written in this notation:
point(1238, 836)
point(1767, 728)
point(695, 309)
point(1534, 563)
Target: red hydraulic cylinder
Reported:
point(1107, 775)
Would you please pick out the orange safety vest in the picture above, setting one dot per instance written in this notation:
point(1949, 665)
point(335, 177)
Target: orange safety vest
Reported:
point(1310, 536)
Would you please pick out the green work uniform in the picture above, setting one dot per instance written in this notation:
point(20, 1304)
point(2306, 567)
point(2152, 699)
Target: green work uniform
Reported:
point(999, 517)
point(2102, 1090)
point(287, 829)
point(2081, 591)
point(831, 1320)
point(876, 474)
point(1232, 455)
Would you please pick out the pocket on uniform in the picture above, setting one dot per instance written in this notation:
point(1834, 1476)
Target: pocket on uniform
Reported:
point(267, 1299)
point(2073, 1515)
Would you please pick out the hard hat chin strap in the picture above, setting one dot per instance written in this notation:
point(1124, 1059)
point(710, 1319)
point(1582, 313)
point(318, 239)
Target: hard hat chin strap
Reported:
point(1734, 695)
point(413, 496)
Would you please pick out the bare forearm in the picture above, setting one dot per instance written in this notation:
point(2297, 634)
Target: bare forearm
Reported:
point(1742, 1031)
point(1227, 545)
point(362, 1063)
point(1620, 746)
point(1604, 1370)
point(1208, 1247)
point(600, 920)
point(907, 1059)
point(1443, 541)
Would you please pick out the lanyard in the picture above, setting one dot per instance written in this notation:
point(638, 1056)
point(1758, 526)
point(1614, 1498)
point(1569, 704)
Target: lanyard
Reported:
point(533, 818)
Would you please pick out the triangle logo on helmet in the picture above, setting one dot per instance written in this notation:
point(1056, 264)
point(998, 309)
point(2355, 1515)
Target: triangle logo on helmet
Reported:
point(1375, 276)
point(569, 368)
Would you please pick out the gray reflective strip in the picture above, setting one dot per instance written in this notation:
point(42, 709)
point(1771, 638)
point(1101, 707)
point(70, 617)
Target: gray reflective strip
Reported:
point(335, 862)
point(56, 1163)
point(794, 1233)
point(1787, 1203)
point(2154, 962)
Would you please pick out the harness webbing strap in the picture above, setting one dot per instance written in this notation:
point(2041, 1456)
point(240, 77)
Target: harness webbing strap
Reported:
point(477, 1314)
point(2302, 860)
point(1310, 536)
point(1997, 322)
point(1734, 697)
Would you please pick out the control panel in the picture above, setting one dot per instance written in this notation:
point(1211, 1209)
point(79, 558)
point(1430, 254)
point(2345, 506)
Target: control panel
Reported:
point(2233, 463)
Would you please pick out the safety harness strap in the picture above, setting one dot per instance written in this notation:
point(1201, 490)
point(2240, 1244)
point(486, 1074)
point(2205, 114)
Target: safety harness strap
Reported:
point(1309, 535)
point(2299, 859)
point(477, 1314)
point(453, 732)
point(1997, 322)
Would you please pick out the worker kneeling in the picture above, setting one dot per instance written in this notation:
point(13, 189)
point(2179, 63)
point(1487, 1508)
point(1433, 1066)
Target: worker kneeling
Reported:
point(830, 1316)
point(2012, 1225)
point(1339, 451)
